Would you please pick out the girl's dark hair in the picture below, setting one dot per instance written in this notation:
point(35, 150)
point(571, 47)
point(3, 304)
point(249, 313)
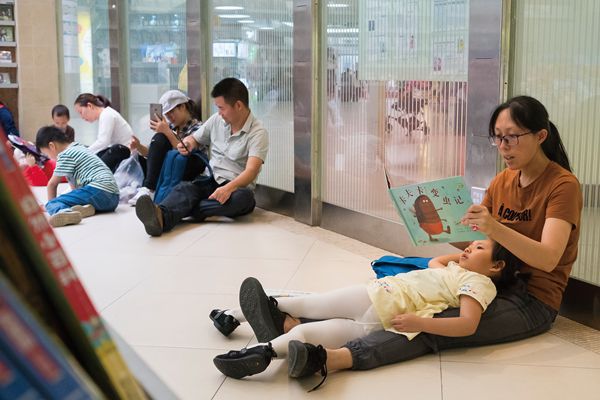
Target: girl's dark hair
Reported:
point(511, 273)
point(192, 108)
point(232, 90)
point(60, 110)
point(528, 113)
point(47, 134)
point(96, 99)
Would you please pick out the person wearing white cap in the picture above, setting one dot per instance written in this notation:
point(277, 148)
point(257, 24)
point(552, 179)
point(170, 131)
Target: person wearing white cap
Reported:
point(238, 148)
point(178, 120)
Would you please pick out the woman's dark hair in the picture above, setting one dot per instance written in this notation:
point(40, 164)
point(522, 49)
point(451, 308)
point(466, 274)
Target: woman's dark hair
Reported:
point(47, 134)
point(60, 110)
point(232, 90)
point(191, 108)
point(511, 273)
point(528, 113)
point(96, 99)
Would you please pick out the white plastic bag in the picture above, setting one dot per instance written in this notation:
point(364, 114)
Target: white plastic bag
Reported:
point(129, 176)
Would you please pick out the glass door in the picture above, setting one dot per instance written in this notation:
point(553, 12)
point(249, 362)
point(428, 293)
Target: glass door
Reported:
point(395, 92)
point(157, 56)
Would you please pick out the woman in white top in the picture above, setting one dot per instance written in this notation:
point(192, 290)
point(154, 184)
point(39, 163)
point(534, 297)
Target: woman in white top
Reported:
point(114, 133)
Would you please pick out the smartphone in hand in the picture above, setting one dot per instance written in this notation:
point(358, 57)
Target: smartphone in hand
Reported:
point(182, 143)
point(156, 113)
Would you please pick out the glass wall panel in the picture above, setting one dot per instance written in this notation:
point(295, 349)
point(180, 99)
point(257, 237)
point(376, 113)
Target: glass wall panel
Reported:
point(396, 81)
point(86, 57)
point(252, 41)
point(157, 56)
point(556, 58)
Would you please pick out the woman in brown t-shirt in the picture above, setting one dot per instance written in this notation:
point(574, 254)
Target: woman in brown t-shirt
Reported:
point(533, 209)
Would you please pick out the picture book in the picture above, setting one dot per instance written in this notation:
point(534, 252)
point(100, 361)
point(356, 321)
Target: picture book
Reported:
point(26, 147)
point(431, 211)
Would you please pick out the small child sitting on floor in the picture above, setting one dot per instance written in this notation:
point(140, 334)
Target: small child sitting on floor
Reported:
point(36, 167)
point(94, 186)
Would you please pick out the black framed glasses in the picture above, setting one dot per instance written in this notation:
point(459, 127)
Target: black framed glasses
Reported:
point(509, 140)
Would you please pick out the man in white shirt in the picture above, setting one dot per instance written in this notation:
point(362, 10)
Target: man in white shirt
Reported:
point(238, 148)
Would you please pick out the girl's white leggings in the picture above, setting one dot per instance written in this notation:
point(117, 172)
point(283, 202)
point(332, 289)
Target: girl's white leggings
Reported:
point(347, 313)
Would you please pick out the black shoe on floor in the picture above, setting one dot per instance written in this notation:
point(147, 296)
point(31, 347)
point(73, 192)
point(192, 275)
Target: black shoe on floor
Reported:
point(306, 359)
point(245, 362)
point(223, 322)
point(150, 215)
point(261, 311)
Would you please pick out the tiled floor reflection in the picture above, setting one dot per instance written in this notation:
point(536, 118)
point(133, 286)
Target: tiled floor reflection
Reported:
point(157, 292)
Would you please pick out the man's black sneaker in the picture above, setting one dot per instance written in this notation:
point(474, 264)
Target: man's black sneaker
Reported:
point(223, 322)
point(150, 215)
point(306, 359)
point(261, 311)
point(245, 362)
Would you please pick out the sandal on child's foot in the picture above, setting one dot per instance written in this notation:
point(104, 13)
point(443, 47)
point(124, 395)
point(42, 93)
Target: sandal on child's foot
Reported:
point(225, 323)
point(245, 362)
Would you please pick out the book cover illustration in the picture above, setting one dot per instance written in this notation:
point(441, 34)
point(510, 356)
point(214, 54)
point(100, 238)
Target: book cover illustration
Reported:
point(431, 211)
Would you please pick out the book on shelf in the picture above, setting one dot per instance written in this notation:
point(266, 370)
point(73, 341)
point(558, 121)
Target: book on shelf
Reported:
point(13, 383)
point(6, 56)
point(78, 323)
point(5, 78)
point(36, 356)
point(7, 34)
point(431, 211)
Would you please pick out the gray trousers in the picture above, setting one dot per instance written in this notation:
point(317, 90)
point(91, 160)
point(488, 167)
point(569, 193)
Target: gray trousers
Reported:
point(511, 316)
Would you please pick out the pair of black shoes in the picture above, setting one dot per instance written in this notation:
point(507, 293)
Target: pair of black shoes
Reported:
point(260, 311)
point(267, 322)
point(304, 359)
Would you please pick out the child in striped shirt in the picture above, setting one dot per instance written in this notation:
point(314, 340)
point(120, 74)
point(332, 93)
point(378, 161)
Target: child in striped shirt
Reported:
point(93, 185)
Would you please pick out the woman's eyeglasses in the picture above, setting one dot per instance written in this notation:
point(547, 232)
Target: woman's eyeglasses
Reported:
point(509, 140)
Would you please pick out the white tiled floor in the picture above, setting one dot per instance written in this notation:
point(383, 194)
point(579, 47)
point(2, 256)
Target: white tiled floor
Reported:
point(157, 293)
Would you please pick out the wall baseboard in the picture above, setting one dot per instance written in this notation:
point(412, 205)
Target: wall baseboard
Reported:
point(581, 303)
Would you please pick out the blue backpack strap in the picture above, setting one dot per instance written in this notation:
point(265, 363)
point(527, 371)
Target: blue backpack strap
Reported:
point(392, 265)
point(202, 155)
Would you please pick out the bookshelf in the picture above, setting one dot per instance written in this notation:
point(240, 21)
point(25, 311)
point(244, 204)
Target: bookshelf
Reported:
point(9, 87)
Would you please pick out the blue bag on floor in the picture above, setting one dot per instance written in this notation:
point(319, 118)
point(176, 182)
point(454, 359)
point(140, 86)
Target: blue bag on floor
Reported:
point(392, 265)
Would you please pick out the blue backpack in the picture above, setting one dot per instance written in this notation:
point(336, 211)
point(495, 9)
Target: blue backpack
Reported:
point(392, 265)
point(172, 172)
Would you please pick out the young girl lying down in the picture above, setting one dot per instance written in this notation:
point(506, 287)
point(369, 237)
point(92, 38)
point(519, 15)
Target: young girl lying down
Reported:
point(404, 304)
